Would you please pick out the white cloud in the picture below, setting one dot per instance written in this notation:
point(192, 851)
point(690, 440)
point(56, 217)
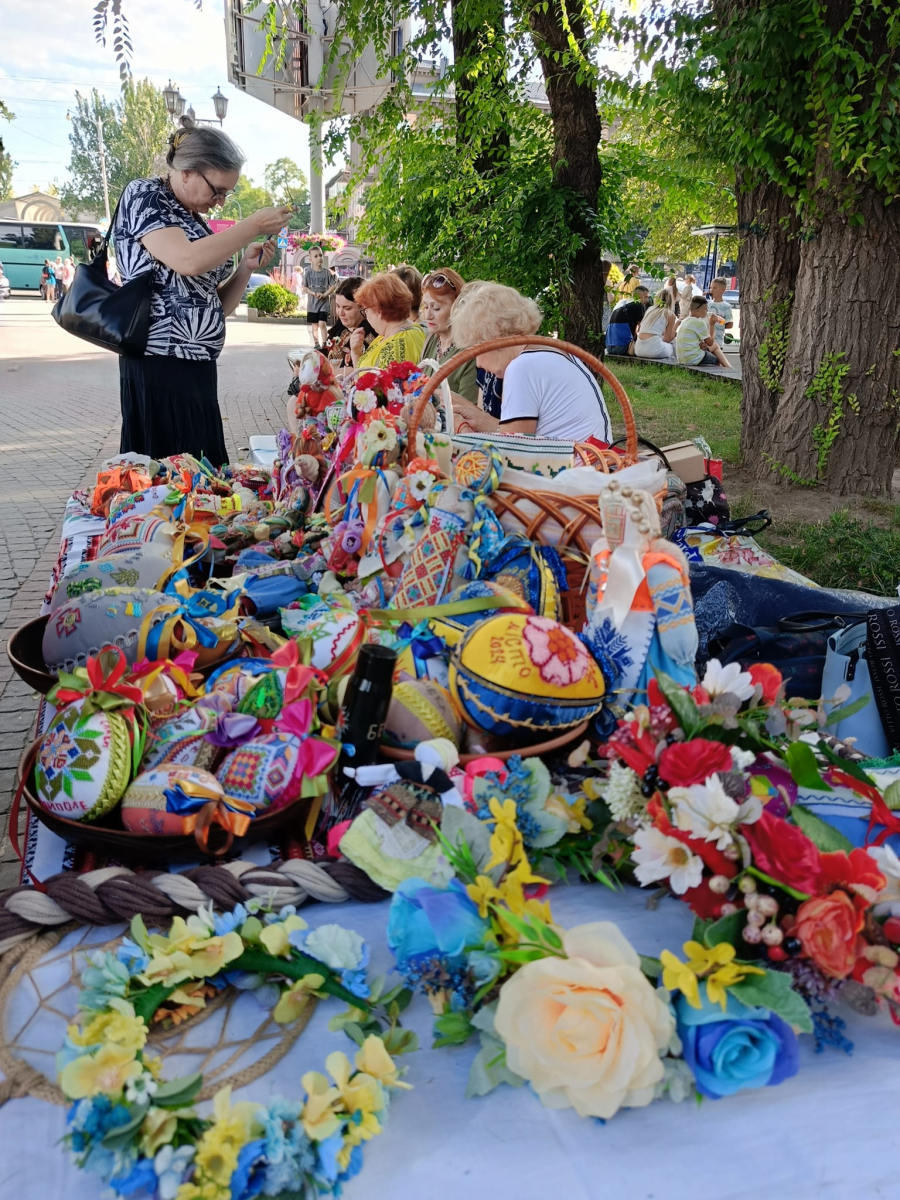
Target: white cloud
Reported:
point(41, 72)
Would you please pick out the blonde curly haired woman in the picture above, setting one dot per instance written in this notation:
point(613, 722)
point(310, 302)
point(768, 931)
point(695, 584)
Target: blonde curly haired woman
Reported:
point(546, 392)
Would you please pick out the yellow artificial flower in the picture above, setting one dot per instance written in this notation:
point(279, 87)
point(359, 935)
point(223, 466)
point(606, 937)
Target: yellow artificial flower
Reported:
point(319, 1119)
point(362, 1097)
point(208, 1190)
point(507, 845)
point(215, 954)
point(216, 1158)
point(158, 1129)
point(374, 1060)
point(678, 977)
point(111, 1028)
point(170, 969)
point(483, 892)
point(179, 938)
point(714, 964)
point(294, 1000)
point(238, 1123)
point(103, 1073)
point(573, 813)
point(275, 937)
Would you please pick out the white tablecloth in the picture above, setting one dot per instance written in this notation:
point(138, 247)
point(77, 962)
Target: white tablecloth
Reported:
point(827, 1134)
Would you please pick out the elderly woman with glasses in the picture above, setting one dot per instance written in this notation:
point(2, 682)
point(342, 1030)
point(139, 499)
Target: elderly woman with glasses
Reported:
point(439, 292)
point(169, 395)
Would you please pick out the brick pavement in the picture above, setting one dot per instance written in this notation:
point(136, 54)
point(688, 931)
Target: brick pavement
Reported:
point(59, 419)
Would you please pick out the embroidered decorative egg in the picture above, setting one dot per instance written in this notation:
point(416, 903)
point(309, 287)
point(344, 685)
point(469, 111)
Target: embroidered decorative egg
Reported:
point(336, 634)
point(147, 809)
point(137, 504)
point(83, 763)
point(112, 617)
point(454, 628)
point(264, 771)
point(181, 740)
point(520, 672)
point(131, 569)
point(139, 533)
point(419, 711)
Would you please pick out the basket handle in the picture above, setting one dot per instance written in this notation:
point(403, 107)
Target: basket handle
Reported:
point(464, 356)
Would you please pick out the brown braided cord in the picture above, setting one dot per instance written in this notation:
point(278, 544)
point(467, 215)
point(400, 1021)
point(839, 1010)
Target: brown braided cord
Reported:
point(22, 1079)
point(114, 894)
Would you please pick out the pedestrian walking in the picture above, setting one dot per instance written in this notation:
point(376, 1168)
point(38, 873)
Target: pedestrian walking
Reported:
point(320, 284)
point(58, 268)
point(48, 281)
point(169, 396)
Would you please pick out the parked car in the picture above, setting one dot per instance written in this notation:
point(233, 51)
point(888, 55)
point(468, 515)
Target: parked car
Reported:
point(257, 279)
point(4, 287)
point(733, 298)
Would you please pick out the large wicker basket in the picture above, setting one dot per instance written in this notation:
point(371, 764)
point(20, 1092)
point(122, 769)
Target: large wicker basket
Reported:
point(545, 516)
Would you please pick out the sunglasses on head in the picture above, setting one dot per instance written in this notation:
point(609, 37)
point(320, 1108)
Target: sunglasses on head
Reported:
point(437, 283)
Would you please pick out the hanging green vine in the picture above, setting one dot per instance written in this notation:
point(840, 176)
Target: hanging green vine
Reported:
point(826, 387)
point(773, 348)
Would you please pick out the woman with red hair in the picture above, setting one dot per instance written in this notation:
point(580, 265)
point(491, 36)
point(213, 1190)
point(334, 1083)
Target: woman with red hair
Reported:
point(387, 302)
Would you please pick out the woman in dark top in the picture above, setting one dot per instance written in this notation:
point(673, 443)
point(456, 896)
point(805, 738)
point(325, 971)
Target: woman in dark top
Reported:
point(169, 396)
point(349, 317)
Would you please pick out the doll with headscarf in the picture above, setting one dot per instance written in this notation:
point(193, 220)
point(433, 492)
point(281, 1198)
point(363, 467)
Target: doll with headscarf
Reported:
point(640, 615)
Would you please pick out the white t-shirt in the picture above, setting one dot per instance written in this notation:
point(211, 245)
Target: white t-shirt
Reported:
point(558, 390)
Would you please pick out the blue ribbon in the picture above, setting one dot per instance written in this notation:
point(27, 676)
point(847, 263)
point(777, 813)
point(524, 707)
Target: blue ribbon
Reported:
point(423, 645)
point(180, 803)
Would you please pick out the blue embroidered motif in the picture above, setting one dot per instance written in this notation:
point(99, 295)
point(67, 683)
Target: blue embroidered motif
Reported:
point(611, 650)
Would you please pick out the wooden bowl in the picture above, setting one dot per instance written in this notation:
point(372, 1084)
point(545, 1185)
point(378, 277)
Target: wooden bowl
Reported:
point(109, 839)
point(535, 750)
point(25, 651)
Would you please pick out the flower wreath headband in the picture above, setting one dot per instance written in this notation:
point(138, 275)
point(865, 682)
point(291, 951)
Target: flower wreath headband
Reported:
point(143, 1136)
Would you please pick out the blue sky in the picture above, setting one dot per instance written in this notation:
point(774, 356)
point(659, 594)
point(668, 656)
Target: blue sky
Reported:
point(48, 52)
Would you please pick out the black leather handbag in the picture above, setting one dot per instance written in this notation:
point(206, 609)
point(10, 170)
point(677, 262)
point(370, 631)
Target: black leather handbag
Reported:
point(114, 316)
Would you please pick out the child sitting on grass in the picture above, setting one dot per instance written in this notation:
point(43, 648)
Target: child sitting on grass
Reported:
point(695, 340)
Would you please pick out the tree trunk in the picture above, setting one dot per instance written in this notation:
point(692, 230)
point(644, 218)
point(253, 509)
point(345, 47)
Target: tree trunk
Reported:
point(834, 419)
point(768, 261)
point(480, 83)
point(576, 161)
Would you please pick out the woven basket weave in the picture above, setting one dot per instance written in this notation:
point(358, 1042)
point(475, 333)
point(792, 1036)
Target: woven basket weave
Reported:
point(545, 516)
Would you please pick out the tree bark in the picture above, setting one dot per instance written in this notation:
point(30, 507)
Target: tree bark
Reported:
point(576, 162)
point(834, 419)
point(480, 65)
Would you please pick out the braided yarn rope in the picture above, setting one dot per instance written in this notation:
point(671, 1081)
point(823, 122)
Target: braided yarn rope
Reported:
point(114, 894)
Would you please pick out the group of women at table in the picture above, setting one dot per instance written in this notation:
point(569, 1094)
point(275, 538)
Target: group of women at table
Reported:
point(169, 395)
point(398, 316)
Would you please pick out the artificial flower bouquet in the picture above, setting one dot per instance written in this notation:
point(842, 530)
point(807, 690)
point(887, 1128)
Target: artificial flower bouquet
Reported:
point(142, 1134)
point(714, 790)
point(579, 1014)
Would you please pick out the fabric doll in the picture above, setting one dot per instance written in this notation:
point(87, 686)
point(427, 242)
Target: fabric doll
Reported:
point(312, 389)
point(640, 611)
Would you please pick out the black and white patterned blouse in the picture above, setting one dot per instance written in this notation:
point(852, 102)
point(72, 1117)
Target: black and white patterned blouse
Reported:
point(186, 317)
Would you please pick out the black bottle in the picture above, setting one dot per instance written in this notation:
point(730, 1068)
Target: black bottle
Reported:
point(361, 720)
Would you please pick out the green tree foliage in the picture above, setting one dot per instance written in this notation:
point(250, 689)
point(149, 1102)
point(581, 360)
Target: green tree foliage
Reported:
point(287, 184)
point(247, 199)
point(135, 128)
point(6, 162)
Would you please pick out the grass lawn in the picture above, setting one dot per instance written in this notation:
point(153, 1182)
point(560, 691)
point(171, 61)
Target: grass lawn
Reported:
point(855, 546)
point(672, 405)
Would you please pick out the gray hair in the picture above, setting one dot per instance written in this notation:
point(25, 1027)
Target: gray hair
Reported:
point(193, 147)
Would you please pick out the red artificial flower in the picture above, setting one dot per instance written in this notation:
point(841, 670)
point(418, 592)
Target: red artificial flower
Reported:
point(371, 380)
point(891, 930)
point(828, 928)
point(856, 873)
point(783, 851)
point(685, 763)
point(769, 679)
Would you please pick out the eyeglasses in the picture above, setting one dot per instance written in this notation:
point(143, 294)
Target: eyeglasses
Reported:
point(437, 283)
point(221, 193)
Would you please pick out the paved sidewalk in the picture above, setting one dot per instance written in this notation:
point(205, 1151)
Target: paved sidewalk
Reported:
point(59, 415)
point(732, 353)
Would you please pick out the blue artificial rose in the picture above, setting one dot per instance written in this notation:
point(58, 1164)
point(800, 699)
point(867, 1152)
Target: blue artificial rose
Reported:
point(740, 1048)
point(426, 921)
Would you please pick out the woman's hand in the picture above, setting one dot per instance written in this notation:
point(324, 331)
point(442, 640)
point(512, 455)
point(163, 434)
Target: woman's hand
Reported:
point(357, 344)
point(270, 220)
point(257, 257)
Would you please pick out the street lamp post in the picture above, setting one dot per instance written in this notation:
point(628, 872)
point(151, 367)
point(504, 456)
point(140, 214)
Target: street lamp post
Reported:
point(176, 103)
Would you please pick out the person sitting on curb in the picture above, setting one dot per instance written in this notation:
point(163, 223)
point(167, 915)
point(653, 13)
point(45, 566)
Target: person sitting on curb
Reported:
point(624, 320)
point(695, 342)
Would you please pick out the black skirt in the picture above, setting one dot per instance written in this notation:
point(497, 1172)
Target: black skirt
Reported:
point(171, 406)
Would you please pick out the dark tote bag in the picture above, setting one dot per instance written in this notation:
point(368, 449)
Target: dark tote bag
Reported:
point(114, 316)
